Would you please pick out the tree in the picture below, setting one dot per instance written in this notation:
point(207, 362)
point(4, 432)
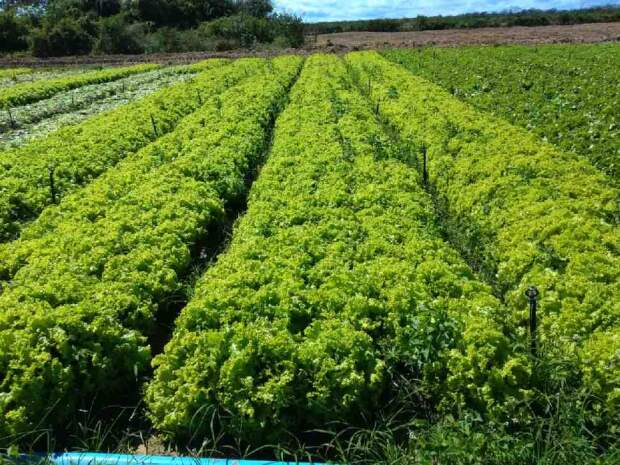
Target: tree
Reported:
point(257, 8)
point(183, 13)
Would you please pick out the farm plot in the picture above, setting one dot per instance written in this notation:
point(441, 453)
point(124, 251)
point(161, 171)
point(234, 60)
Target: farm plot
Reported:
point(73, 335)
point(29, 92)
point(23, 124)
point(11, 75)
point(522, 213)
point(334, 277)
point(373, 280)
point(566, 94)
point(41, 173)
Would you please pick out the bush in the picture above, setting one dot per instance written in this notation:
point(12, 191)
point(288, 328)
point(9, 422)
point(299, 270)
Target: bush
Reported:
point(66, 36)
point(289, 27)
point(13, 32)
point(247, 31)
point(118, 35)
point(243, 29)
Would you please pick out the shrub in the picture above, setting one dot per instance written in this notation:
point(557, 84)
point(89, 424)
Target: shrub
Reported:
point(118, 35)
point(288, 27)
point(246, 31)
point(66, 36)
point(13, 31)
point(243, 29)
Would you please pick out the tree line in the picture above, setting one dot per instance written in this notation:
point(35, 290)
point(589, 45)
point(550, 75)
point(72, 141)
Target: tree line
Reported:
point(531, 17)
point(76, 27)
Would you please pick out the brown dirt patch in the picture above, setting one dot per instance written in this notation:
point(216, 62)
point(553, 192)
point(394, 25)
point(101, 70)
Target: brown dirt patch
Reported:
point(579, 33)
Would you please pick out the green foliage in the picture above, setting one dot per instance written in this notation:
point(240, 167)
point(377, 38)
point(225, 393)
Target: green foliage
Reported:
point(118, 35)
point(75, 27)
point(72, 107)
point(13, 31)
point(565, 94)
point(14, 72)
point(336, 281)
point(65, 36)
point(522, 213)
point(246, 30)
point(80, 153)
point(186, 13)
point(25, 93)
point(73, 335)
point(288, 30)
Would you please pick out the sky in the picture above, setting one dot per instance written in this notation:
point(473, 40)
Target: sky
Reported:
point(333, 10)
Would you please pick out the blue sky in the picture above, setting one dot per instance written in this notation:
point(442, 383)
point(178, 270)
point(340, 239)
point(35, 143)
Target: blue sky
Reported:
point(332, 10)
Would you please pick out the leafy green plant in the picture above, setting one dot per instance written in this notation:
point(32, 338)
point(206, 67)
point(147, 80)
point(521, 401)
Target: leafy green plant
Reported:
point(565, 94)
point(38, 119)
point(522, 213)
point(336, 280)
point(75, 155)
point(33, 91)
point(75, 333)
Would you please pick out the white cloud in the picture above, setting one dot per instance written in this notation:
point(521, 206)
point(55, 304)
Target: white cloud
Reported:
point(331, 10)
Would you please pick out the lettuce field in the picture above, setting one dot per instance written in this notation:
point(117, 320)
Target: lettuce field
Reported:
point(319, 258)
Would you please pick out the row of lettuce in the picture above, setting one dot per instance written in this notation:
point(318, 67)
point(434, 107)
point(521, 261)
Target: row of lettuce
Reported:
point(522, 213)
point(13, 72)
point(335, 282)
point(567, 94)
point(40, 173)
point(89, 275)
point(29, 92)
point(337, 279)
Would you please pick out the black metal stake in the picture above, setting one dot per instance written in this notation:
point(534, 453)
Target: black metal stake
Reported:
point(154, 125)
point(424, 166)
point(532, 294)
point(50, 170)
point(13, 125)
point(199, 97)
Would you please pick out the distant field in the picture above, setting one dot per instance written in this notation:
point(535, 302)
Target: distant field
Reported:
point(599, 32)
point(566, 94)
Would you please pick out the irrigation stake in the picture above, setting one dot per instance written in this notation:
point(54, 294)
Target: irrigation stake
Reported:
point(424, 166)
point(50, 170)
point(154, 126)
point(532, 294)
point(13, 124)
